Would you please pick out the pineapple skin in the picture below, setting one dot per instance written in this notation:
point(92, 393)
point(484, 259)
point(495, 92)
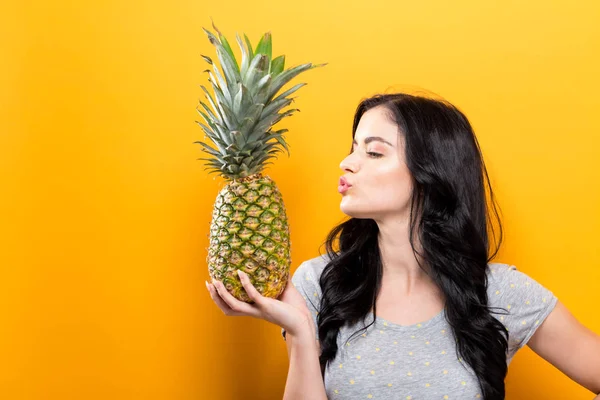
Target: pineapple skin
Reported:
point(249, 231)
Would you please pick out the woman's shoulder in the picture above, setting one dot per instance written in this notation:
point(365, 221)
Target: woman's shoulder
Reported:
point(507, 282)
point(518, 301)
point(312, 268)
point(307, 276)
point(508, 276)
point(498, 273)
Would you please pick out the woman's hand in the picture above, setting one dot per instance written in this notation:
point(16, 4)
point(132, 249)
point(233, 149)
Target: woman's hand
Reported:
point(289, 311)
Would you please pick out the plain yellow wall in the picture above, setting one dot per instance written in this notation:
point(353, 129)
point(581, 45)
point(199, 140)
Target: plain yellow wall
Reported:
point(104, 210)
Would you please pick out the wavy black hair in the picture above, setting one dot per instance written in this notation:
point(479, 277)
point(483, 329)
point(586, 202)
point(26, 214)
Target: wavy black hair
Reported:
point(450, 217)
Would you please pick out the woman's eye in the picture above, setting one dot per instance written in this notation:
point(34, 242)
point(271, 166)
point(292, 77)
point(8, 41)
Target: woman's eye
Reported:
point(374, 155)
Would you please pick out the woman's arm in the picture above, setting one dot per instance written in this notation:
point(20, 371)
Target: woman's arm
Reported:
point(569, 346)
point(304, 379)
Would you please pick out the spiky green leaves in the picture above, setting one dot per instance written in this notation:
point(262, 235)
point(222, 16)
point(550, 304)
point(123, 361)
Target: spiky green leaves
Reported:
point(242, 109)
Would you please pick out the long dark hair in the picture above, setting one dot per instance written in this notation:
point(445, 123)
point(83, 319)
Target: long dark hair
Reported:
point(449, 214)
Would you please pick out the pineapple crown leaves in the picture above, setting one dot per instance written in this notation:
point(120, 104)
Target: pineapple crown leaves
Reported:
point(239, 115)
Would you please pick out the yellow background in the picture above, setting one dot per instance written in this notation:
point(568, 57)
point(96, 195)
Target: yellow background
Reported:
point(105, 210)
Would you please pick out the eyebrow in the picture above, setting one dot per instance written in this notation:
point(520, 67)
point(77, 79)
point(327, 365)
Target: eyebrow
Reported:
point(374, 139)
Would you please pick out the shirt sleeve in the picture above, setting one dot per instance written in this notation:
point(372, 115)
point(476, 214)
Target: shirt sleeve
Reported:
point(519, 302)
point(306, 280)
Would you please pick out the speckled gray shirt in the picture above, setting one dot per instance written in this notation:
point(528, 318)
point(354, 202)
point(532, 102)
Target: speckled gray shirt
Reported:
point(419, 361)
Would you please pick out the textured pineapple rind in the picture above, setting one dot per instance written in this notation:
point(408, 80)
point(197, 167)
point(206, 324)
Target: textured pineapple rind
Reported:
point(249, 231)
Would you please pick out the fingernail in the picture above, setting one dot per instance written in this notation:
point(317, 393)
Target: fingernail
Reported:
point(240, 273)
point(207, 287)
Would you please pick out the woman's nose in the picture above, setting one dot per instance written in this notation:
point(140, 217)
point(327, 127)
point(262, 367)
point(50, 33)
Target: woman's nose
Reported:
point(348, 164)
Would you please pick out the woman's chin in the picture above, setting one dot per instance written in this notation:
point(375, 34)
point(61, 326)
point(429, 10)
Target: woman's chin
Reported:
point(351, 211)
point(346, 210)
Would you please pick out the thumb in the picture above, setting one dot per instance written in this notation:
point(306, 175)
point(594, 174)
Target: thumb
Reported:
point(254, 295)
point(292, 296)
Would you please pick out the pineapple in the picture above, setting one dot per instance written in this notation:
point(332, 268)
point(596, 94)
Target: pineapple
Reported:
point(249, 228)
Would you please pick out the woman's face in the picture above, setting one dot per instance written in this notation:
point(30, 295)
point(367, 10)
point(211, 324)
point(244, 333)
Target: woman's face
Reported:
point(380, 182)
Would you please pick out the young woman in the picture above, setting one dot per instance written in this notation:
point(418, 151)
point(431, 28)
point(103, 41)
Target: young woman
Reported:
point(408, 305)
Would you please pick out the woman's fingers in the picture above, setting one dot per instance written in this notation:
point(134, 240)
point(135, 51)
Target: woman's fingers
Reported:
point(236, 306)
point(290, 317)
point(217, 299)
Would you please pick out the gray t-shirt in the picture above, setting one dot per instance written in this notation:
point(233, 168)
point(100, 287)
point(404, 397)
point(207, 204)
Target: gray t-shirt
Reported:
point(414, 362)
